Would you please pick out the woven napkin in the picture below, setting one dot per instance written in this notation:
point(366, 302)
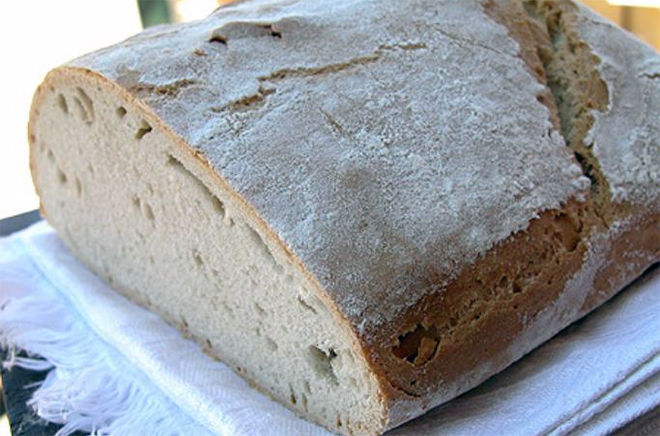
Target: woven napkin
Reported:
point(117, 369)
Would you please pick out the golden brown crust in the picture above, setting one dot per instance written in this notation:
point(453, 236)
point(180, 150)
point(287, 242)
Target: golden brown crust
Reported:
point(474, 318)
point(477, 317)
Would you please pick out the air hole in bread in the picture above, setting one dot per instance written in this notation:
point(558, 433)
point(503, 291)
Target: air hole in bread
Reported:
point(303, 400)
point(218, 39)
point(293, 398)
point(148, 212)
point(217, 205)
point(306, 305)
point(78, 187)
point(143, 130)
point(256, 237)
point(84, 105)
point(136, 203)
point(197, 257)
point(81, 110)
point(273, 33)
point(417, 346)
point(174, 162)
point(321, 363)
point(260, 310)
point(271, 344)
point(121, 111)
point(50, 156)
point(348, 423)
point(62, 104)
point(338, 422)
point(61, 177)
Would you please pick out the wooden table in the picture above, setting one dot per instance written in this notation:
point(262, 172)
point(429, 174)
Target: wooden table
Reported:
point(24, 422)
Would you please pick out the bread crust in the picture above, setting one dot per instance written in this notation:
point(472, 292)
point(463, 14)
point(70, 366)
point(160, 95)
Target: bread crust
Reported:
point(402, 259)
point(509, 307)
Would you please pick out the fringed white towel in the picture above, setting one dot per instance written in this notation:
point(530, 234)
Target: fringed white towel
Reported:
point(117, 369)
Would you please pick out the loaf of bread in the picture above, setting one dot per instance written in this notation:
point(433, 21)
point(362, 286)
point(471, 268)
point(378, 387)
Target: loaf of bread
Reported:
point(365, 207)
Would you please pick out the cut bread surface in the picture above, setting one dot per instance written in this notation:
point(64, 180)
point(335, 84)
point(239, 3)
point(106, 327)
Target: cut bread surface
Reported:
point(169, 237)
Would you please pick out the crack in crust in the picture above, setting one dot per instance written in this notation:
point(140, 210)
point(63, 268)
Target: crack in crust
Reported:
point(576, 85)
point(170, 89)
point(652, 76)
point(554, 52)
point(285, 73)
point(258, 100)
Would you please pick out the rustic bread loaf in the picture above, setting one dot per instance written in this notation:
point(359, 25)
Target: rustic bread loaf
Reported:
point(365, 207)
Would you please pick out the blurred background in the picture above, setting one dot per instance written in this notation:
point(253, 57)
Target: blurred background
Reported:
point(38, 35)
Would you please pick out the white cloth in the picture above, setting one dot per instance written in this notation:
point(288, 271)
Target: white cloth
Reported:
point(117, 369)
